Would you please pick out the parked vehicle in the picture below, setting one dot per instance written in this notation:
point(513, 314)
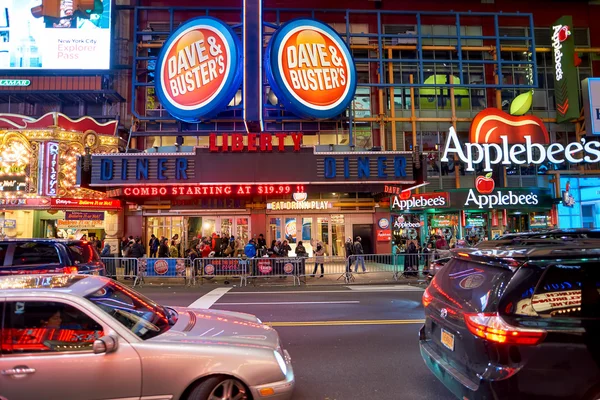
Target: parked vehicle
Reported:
point(72, 335)
point(49, 256)
point(519, 321)
point(581, 233)
point(435, 266)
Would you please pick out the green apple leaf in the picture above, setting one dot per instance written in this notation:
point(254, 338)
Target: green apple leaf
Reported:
point(488, 175)
point(522, 103)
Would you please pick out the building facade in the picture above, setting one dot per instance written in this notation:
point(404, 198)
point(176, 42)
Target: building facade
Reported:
point(256, 159)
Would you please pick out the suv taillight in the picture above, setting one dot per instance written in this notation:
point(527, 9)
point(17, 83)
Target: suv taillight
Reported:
point(427, 297)
point(70, 270)
point(492, 327)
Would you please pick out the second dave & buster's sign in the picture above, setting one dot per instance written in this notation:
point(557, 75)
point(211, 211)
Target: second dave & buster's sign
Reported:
point(308, 66)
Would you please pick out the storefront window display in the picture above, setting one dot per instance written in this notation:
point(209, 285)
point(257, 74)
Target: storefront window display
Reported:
point(476, 227)
point(407, 228)
point(165, 226)
point(539, 221)
point(445, 225)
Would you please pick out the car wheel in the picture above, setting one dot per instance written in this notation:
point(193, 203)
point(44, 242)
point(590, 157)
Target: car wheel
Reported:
point(219, 388)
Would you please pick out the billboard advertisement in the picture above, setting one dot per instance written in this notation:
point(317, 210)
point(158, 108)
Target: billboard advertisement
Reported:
point(55, 34)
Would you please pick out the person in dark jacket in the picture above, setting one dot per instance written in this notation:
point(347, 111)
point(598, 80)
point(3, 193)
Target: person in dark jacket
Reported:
point(285, 249)
point(153, 246)
point(105, 251)
point(163, 249)
point(137, 250)
point(358, 251)
point(411, 260)
point(349, 247)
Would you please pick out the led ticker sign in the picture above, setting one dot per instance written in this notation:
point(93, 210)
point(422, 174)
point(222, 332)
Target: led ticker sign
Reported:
point(199, 69)
point(310, 69)
point(211, 190)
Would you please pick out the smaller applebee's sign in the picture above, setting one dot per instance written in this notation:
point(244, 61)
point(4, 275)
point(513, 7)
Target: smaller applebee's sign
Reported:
point(420, 201)
point(199, 69)
point(499, 138)
point(486, 196)
point(310, 69)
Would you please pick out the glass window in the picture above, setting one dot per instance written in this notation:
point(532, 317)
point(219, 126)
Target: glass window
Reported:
point(142, 316)
point(33, 253)
point(40, 326)
point(290, 230)
point(338, 228)
point(275, 228)
point(83, 253)
point(243, 228)
point(568, 290)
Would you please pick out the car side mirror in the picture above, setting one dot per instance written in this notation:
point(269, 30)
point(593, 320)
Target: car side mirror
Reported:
point(106, 344)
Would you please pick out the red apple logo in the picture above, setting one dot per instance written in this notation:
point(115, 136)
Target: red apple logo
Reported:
point(564, 33)
point(491, 124)
point(405, 195)
point(485, 184)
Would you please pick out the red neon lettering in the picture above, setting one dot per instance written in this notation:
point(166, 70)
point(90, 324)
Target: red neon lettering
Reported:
point(240, 190)
point(297, 139)
point(227, 190)
point(265, 142)
point(237, 142)
point(252, 142)
point(281, 139)
point(212, 143)
point(162, 191)
point(219, 190)
point(127, 191)
point(197, 190)
point(225, 142)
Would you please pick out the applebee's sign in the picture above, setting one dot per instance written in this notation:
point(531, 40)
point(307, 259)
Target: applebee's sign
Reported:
point(407, 201)
point(499, 138)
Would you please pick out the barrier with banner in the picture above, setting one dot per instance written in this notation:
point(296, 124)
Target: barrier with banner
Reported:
point(164, 268)
point(267, 267)
point(208, 268)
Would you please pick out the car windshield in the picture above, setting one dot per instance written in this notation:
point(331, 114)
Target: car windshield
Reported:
point(140, 315)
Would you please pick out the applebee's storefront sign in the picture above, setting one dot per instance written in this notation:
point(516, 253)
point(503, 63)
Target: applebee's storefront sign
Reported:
point(420, 201)
point(499, 138)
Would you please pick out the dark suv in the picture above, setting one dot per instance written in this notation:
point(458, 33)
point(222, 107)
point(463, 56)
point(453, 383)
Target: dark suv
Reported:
point(48, 256)
point(517, 322)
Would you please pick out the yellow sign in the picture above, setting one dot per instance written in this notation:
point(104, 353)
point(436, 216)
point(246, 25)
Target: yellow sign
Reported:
point(79, 224)
point(299, 205)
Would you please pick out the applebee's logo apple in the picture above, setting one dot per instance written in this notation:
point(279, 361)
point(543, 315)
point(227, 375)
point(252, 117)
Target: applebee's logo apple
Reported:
point(485, 184)
point(405, 195)
point(563, 33)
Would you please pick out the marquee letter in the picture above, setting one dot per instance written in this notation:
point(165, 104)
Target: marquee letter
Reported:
point(161, 168)
point(181, 165)
point(123, 169)
point(346, 168)
point(399, 167)
point(363, 167)
point(141, 169)
point(455, 148)
point(330, 167)
point(106, 169)
point(381, 166)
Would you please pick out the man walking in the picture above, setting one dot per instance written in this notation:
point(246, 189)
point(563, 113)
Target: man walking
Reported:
point(358, 251)
point(153, 246)
point(349, 247)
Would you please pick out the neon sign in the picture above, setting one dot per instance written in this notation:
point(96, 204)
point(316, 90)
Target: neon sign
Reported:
point(49, 169)
point(420, 201)
point(264, 142)
point(299, 205)
point(210, 190)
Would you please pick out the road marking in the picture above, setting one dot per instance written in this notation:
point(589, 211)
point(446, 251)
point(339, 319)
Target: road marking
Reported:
point(289, 303)
point(209, 298)
point(345, 323)
point(394, 288)
point(341, 291)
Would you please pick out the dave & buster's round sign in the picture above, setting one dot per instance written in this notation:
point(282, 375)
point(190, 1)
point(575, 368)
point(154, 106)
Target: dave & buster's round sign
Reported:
point(310, 69)
point(199, 69)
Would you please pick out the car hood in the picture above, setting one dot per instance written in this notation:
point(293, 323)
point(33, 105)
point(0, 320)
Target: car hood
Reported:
point(212, 327)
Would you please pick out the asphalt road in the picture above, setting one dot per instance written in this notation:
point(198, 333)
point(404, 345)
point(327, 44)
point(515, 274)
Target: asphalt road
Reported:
point(346, 343)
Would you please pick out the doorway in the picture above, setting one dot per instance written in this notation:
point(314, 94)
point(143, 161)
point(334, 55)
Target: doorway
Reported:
point(366, 235)
point(239, 226)
point(297, 228)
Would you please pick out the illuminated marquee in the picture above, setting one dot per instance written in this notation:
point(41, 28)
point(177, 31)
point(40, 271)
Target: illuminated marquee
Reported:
point(199, 69)
point(310, 69)
point(299, 205)
point(210, 190)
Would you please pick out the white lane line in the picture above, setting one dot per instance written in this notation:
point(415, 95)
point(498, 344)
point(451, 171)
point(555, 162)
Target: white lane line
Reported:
point(209, 298)
point(397, 288)
point(288, 303)
point(343, 291)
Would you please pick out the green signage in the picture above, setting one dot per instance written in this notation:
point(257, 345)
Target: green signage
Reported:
point(15, 82)
point(565, 71)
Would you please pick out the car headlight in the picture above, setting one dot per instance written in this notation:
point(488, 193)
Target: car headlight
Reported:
point(281, 362)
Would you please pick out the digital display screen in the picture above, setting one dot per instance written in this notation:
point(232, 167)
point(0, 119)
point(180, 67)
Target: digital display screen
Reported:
point(55, 34)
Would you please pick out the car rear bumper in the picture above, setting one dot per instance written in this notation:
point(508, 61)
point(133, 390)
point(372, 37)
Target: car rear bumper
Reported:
point(281, 390)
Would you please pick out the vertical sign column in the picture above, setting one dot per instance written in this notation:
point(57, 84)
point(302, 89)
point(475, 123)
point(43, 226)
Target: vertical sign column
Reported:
point(253, 53)
point(48, 169)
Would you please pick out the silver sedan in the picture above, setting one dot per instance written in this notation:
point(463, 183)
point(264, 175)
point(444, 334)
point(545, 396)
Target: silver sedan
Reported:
point(87, 337)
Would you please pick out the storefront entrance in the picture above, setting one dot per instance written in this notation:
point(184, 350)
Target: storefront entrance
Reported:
point(328, 229)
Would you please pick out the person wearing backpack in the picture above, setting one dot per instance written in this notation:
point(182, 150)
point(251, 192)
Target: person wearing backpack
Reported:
point(349, 247)
point(358, 251)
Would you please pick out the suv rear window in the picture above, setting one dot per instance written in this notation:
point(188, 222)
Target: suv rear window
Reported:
point(472, 285)
point(83, 253)
point(34, 253)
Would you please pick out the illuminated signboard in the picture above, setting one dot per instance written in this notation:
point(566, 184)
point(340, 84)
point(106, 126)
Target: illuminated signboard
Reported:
point(487, 196)
point(205, 167)
point(85, 203)
point(79, 224)
point(199, 69)
point(498, 138)
point(49, 169)
point(566, 82)
point(84, 216)
point(310, 69)
point(420, 201)
point(55, 35)
point(16, 183)
point(264, 142)
point(299, 205)
point(210, 190)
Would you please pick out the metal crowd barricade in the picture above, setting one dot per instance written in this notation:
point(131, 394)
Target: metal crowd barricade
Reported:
point(276, 267)
point(400, 265)
point(173, 268)
point(332, 265)
point(119, 268)
point(228, 268)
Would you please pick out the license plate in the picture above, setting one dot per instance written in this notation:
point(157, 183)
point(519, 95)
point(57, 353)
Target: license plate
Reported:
point(448, 339)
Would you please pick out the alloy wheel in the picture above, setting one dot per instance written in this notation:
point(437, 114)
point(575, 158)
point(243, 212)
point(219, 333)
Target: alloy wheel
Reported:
point(229, 389)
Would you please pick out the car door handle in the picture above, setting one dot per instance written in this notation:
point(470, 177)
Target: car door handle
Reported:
point(18, 371)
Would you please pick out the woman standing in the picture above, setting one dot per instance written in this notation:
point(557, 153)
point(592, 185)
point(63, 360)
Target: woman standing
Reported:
point(173, 251)
point(319, 256)
point(285, 249)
